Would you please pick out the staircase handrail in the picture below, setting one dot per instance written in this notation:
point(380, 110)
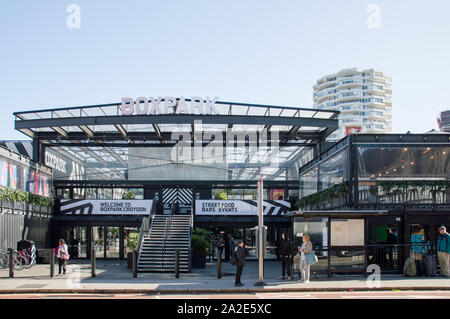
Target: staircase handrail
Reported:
point(145, 228)
point(164, 241)
point(142, 232)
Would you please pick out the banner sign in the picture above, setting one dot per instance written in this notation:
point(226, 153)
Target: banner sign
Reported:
point(107, 207)
point(352, 130)
point(240, 207)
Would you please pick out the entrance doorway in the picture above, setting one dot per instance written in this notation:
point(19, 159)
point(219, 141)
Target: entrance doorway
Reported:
point(248, 235)
point(106, 242)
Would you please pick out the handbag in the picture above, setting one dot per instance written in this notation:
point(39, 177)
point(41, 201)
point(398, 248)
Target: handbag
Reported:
point(65, 256)
point(233, 260)
point(311, 258)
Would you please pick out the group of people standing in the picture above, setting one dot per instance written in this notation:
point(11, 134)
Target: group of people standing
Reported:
point(300, 259)
point(236, 251)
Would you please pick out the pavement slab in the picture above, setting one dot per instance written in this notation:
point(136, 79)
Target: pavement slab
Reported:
point(113, 276)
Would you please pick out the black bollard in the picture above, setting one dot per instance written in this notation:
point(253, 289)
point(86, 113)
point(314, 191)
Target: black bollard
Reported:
point(177, 263)
point(219, 266)
point(51, 262)
point(11, 263)
point(92, 262)
point(134, 263)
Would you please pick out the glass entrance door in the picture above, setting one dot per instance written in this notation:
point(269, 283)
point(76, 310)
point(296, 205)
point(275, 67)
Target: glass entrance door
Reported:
point(112, 242)
point(106, 242)
point(98, 241)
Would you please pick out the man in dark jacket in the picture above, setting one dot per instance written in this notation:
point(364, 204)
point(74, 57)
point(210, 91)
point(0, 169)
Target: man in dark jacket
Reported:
point(240, 258)
point(286, 256)
point(391, 240)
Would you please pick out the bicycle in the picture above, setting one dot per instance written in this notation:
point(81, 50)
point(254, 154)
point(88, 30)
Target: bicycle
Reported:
point(19, 260)
point(3, 259)
point(30, 257)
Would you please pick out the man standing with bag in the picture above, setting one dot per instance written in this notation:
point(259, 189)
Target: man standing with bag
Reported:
point(240, 262)
point(286, 256)
point(443, 249)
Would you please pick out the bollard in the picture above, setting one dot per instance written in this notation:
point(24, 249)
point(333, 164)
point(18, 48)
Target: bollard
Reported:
point(219, 266)
point(92, 262)
point(11, 263)
point(177, 263)
point(51, 262)
point(134, 263)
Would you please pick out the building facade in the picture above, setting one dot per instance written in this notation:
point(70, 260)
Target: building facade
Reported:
point(364, 98)
point(178, 156)
point(365, 185)
point(444, 121)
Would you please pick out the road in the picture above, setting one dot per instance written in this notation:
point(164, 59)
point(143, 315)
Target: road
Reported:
point(347, 295)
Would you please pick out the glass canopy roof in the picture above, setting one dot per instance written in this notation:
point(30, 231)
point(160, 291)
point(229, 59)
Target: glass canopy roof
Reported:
point(241, 142)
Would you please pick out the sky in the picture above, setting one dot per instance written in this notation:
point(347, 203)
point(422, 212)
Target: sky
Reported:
point(251, 51)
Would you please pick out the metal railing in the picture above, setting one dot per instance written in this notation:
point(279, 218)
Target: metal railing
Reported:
point(391, 258)
point(143, 231)
point(356, 259)
point(432, 194)
point(163, 251)
point(145, 228)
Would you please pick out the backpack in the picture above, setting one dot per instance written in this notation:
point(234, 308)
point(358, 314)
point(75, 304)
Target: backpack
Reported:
point(409, 269)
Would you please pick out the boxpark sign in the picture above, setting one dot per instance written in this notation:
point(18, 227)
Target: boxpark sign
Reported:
point(168, 105)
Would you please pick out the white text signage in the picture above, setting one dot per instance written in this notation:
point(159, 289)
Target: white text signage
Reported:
point(168, 105)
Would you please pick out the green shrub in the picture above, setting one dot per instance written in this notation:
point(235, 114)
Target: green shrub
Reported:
point(15, 195)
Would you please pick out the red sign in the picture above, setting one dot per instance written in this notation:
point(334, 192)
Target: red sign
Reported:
point(352, 129)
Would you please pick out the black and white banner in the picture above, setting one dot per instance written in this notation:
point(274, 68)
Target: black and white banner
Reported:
point(240, 207)
point(106, 207)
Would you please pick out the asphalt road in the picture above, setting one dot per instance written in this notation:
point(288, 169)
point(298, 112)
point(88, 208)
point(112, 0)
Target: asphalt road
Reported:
point(285, 295)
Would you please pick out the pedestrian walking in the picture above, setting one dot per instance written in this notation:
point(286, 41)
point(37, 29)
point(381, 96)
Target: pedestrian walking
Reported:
point(240, 262)
point(63, 256)
point(443, 248)
point(286, 257)
point(306, 248)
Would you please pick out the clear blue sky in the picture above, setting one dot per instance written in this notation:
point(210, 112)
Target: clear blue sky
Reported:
point(256, 51)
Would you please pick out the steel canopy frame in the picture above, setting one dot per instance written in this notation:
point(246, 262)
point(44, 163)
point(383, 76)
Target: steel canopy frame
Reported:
point(98, 130)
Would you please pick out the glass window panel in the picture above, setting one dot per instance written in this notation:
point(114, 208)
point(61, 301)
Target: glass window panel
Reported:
point(333, 170)
point(408, 162)
point(308, 182)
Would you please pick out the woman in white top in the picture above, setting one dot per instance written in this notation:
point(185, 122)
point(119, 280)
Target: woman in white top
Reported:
point(305, 249)
point(63, 256)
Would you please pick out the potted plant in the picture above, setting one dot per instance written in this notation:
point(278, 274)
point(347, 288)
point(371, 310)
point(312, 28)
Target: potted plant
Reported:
point(200, 242)
point(132, 240)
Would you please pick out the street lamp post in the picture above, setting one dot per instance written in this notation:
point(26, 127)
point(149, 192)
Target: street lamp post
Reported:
point(260, 234)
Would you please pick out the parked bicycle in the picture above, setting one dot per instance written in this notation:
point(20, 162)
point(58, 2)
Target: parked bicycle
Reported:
point(3, 259)
point(22, 259)
point(28, 257)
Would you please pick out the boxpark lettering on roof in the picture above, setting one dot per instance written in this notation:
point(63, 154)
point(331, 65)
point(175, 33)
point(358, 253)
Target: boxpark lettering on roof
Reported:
point(171, 105)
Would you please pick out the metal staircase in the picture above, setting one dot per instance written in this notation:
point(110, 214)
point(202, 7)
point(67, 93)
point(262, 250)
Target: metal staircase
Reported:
point(167, 234)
